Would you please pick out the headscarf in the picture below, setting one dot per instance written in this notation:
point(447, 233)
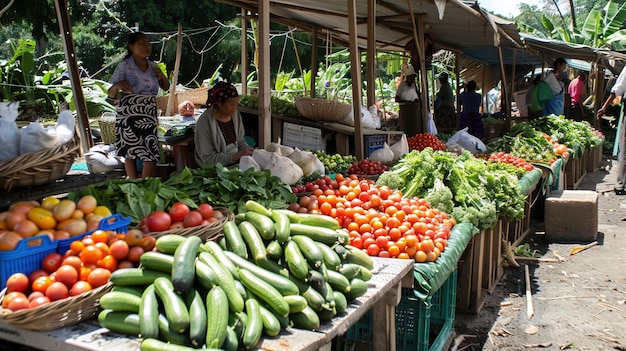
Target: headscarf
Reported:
point(221, 92)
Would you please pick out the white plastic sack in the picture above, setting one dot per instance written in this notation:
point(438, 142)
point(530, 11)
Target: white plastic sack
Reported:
point(246, 162)
point(382, 155)
point(9, 132)
point(102, 159)
point(65, 127)
point(400, 148)
point(367, 119)
point(35, 138)
point(432, 127)
point(467, 141)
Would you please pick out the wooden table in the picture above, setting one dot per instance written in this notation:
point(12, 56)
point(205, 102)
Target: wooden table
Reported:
point(383, 295)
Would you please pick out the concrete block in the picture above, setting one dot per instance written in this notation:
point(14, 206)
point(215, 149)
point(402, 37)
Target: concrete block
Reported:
point(571, 216)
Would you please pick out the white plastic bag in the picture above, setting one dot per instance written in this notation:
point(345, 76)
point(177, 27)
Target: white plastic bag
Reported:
point(367, 119)
point(467, 141)
point(432, 127)
point(36, 138)
point(102, 159)
point(400, 148)
point(382, 155)
point(246, 162)
point(9, 132)
point(65, 127)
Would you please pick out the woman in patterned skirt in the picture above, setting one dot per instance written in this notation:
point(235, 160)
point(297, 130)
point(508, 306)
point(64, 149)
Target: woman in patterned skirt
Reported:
point(138, 80)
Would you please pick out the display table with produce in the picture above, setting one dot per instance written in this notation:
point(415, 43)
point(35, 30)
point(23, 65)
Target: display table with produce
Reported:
point(383, 294)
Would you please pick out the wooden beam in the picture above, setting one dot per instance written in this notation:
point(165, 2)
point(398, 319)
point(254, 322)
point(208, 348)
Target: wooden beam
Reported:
point(170, 111)
point(314, 64)
point(265, 113)
point(371, 53)
point(244, 52)
point(355, 62)
point(65, 27)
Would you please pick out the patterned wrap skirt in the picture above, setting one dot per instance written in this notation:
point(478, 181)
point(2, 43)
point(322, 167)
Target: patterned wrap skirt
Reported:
point(136, 128)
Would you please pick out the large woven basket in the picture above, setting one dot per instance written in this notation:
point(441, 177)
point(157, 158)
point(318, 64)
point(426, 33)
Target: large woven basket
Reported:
point(57, 314)
point(161, 102)
point(205, 232)
point(322, 110)
point(40, 167)
point(198, 96)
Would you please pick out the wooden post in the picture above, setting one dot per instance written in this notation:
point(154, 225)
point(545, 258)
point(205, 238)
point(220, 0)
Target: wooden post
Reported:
point(179, 45)
point(503, 91)
point(371, 52)
point(244, 52)
point(355, 63)
point(65, 26)
point(313, 63)
point(265, 113)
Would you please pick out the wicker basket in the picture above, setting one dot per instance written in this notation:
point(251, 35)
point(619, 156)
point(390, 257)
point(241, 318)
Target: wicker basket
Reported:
point(322, 110)
point(205, 232)
point(107, 128)
point(40, 167)
point(161, 102)
point(57, 314)
point(198, 96)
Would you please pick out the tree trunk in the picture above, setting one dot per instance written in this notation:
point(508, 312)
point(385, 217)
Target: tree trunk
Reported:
point(573, 13)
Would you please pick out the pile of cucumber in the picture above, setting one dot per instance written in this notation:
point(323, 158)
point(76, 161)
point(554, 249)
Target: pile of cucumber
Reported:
point(271, 269)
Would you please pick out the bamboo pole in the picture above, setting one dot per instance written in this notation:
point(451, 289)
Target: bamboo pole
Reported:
point(244, 52)
point(179, 45)
point(355, 62)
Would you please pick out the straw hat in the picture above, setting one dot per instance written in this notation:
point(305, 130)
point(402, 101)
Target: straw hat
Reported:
point(409, 71)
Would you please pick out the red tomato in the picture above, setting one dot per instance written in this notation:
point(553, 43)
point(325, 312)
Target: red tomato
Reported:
point(52, 262)
point(80, 287)
point(57, 291)
point(38, 301)
point(178, 211)
point(98, 277)
point(18, 303)
point(34, 295)
point(36, 274)
point(159, 221)
point(192, 219)
point(67, 275)
point(205, 210)
point(17, 282)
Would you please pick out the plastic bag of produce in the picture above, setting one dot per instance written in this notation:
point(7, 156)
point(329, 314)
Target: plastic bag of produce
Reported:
point(248, 162)
point(65, 127)
point(400, 148)
point(9, 133)
point(368, 120)
point(432, 127)
point(382, 155)
point(102, 159)
point(467, 141)
point(36, 138)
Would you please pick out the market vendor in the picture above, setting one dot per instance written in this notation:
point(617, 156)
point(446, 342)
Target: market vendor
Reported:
point(445, 115)
point(407, 96)
point(219, 136)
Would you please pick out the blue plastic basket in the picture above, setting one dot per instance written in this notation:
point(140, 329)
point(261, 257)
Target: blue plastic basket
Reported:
point(116, 223)
point(26, 257)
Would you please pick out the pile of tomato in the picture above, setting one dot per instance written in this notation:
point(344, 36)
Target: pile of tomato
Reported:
point(86, 265)
point(421, 141)
point(179, 216)
point(508, 158)
point(379, 220)
point(367, 167)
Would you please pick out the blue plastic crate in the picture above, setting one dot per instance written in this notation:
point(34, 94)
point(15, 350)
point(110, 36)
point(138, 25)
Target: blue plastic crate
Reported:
point(26, 258)
point(116, 223)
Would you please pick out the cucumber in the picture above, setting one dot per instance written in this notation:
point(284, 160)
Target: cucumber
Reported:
point(355, 255)
point(316, 280)
point(271, 324)
point(274, 250)
point(321, 234)
point(157, 261)
point(184, 268)
point(264, 224)
point(231, 342)
point(281, 222)
point(358, 288)
point(225, 280)
point(350, 270)
point(305, 319)
point(126, 323)
point(317, 220)
point(282, 284)
point(135, 276)
point(314, 299)
point(253, 240)
point(214, 249)
point(149, 314)
point(217, 309)
point(295, 260)
point(173, 304)
point(309, 249)
point(168, 243)
point(331, 259)
point(234, 240)
point(120, 301)
point(326, 315)
point(296, 303)
point(254, 206)
point(340, 302)
point(151, 344)
point(338, 281)
point(254, 324)
point(343, 237)
point(365, 274)
point(198, 319)
point(205, 275)
point(167, 333)
point(131, 289)
point(264, 291)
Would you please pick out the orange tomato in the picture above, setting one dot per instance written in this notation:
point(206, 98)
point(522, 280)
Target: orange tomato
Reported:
point(91, 255)
point(41, 284)
point(98, 277)
point(119, 249)
point(80, 287)
point(67, 275)
point(108, 262)
point(57, 291)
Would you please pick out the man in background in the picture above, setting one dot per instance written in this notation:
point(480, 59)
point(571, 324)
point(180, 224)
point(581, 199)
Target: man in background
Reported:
point(576, 91)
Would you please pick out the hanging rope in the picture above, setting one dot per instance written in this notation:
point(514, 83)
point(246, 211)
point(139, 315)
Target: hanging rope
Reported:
point(295, 49)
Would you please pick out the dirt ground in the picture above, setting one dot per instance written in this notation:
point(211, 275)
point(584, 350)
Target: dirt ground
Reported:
point(578, 303)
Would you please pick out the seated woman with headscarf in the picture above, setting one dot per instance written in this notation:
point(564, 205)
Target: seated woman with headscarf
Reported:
point(219, 136)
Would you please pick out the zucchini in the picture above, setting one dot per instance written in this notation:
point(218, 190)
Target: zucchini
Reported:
point(321, 234)
point(151, 344)
point(264, 291)
point(338, 281)
point(167, 333)
point(296, 303)
point(126, 323)
point(205, 275)
point(254, 324)
point(168, 243)
point(317, 220)
point(149, 314)
point(309, 249)
point(330, 257)
point(274, 250)
point(281, 222)
point(358, 288)
point(120, 301)
point(282, 284)
point(234, 240)
point(271, 324)
point(295, 260)
point(197, 318)
point(224, 280)
point(184, 268)
point(157, 261)
point(217, 309)
point(214, 249)
point(253, 240)
point(305, 319)
point(264, 224)
point(254, 206)
point(173, 304)
point(135, 276)
point(355, 255)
